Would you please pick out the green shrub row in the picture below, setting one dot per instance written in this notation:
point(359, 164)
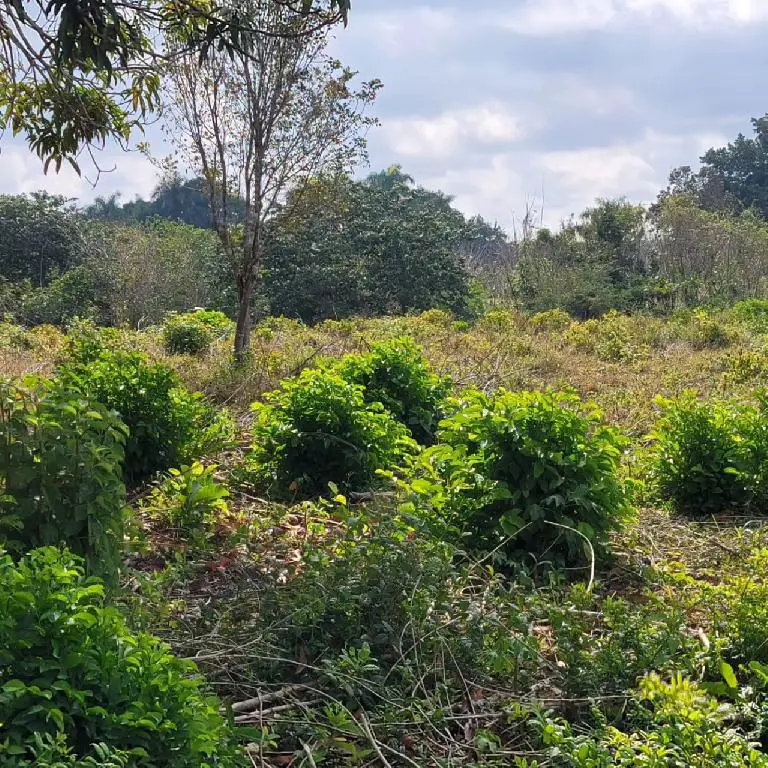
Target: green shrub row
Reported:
point(75, 683)
point(526, 477)
point(712, 457)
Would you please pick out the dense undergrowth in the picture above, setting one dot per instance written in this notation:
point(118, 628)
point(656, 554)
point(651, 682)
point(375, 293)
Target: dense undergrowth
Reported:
point(398, 542)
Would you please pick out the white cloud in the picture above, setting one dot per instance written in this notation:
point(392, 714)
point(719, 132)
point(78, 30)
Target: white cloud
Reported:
point(130, 173)
point(444, 134)
point(559, 17)
point(419, 30)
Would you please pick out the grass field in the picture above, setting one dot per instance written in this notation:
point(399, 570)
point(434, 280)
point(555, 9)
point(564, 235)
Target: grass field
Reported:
point(343, 636)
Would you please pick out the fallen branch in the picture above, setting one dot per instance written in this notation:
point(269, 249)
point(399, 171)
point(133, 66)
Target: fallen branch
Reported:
point(248, 705)
point(249, 717)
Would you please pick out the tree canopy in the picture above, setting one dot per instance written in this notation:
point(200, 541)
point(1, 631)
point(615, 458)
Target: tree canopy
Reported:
point(731, 178)
point(378, 246)
point(74, 73)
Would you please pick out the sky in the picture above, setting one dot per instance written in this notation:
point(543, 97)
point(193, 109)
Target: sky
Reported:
point(516, 105)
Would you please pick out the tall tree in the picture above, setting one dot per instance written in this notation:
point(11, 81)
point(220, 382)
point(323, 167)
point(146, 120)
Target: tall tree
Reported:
point(254, 126)
point(373, 247)
point(74, 73)
point(731, 179)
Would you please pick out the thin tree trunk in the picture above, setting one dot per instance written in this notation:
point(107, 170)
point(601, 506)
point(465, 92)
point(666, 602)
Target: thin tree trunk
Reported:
point(245, 285)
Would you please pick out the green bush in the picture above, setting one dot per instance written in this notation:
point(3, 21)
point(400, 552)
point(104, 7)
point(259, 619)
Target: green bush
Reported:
point(551, 320)
point(192, 333)
point(53, 752)
point(87, 342)
point(753, 313)
point(71, 669)
point(61, 473)
point(169, 425)
point(708, 456)
point(705, 332)
point(184, 335)
point(396, 374)
point(188, 500)
point(75, 293)
point(667, 724)
point(318, 430)
point(525, 475)
point(212, 319)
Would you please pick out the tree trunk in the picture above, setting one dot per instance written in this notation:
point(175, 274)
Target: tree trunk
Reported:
point(245, 285)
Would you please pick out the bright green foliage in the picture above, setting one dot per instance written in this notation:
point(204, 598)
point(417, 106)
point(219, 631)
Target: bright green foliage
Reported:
point(61, 473)
point(525, 475)
point(317, 430)
point(709, 457)
point(191, 333)
point(183, 335)
point(397, 375)
point(188, 500)
point(607, 645)
point(673, 724)
point(70, 666)
point(551, 320)
point(705, 332)
point(168, 424)
point(738, 606)
point(49, 751)
point(753, 313)
point(87, 342)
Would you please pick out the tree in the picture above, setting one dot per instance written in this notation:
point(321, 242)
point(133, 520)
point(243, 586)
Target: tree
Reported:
point(40, 236)
point(175, 198)
point(731, 178)
point(254, 126)
point(373, 247)
point(74, 73)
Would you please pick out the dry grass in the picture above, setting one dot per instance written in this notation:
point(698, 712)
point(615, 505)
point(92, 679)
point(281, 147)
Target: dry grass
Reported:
point(621, 363)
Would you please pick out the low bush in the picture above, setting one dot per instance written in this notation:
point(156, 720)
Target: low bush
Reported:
point(709, 457)
point(525, 477)
point(61, 473)
point(183, 335)
point(753, 313)
point(72, 672)
point(706, 332)
point(396, 374)
point(191, 333)
point(86, 342)
point(317, 430)
point(168, 425)
point(665, 724)
point(188, 500)
point(553, 320)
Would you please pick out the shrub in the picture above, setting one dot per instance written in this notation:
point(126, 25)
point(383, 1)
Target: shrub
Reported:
point(753, 313)
point(669, 724)
point(551, 320)
point(60, 473)
point(184, 335)
point(704, 459)
point(318, 430)
point(188, 500)
point(396, 374)
point(212, 319)
point(169, 425)
point(583, 335)
point(86, 342)
point(705, 332)
point(72, 670)
point(192, 333)
point(525, 475)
